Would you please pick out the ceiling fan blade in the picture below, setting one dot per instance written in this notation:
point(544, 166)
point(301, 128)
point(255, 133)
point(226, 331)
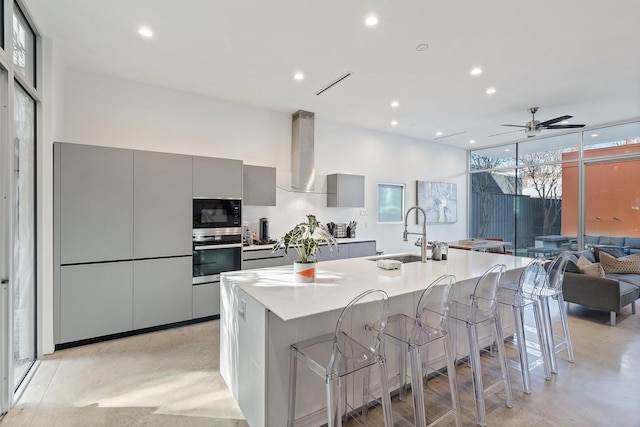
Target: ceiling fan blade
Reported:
point(516, 126)
point(503, 133)
point(552, 121)
point(564, 126)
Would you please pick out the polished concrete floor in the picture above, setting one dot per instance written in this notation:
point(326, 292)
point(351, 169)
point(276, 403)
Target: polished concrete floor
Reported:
point(171, 378)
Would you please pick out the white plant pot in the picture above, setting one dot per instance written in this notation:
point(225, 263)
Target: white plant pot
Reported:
point(304, 272)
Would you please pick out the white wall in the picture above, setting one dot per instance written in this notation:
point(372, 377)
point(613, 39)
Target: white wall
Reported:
point(101, 110)
point(52, 112)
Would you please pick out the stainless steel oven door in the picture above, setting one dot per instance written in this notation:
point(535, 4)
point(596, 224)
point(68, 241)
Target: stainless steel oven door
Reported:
point(211, 260)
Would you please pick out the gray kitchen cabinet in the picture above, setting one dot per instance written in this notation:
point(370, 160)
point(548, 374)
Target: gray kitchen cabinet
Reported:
point(260, 258)
point(360, 249)
point(162, 195)
point(95, 300)
point(259, 186)
point(162, 291)
point(217, 178)
point(95, 203)
point(206, 300)
point(345, 191)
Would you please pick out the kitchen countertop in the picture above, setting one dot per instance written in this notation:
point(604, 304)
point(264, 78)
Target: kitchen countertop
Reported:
point(339, 240)
point(339, 281)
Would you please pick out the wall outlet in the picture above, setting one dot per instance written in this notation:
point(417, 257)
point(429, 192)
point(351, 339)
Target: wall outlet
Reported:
point(242, 309)
point(363, 212)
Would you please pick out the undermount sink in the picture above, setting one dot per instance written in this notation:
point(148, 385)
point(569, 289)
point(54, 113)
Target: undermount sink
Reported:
point(402, 258)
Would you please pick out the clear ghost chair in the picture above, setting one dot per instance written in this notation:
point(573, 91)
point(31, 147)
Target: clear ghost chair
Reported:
point(482, 310)
point(517, 297)
point(550, 289)
point(350, 349)
point(414, 336)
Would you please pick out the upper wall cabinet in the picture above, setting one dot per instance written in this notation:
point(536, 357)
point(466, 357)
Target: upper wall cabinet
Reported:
point(162, 198)
point(217, 178)
point(259, 186)
point(95, 203)
point(345, 191)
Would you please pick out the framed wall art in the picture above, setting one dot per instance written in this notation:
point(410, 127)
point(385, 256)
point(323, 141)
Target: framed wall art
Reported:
point(439, 200)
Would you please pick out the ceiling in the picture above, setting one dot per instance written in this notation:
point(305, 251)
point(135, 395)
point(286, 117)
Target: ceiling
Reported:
point(566, 57)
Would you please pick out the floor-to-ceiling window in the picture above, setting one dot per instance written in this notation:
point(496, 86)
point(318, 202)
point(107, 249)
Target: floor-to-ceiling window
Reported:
point(19, 99)
point(542, 192)
point(24, 269)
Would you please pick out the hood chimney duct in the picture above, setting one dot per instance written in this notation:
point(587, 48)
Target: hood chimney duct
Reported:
point(302, 157)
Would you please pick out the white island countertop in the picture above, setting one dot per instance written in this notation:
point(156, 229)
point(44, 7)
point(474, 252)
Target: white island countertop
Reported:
point(339, 281)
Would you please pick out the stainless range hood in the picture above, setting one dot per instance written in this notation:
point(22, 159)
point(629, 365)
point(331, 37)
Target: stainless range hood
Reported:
point(303, 172)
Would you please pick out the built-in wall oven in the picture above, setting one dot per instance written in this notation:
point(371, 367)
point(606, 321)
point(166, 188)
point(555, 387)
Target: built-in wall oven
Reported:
point(217, 238)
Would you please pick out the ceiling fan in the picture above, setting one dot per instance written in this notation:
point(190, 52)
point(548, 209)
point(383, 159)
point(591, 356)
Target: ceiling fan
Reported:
point(534, 127)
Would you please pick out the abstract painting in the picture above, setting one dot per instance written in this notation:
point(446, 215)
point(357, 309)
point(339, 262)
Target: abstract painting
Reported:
point(439, 201)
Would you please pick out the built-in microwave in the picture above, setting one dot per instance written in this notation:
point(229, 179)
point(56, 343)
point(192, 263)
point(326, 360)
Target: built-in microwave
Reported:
point(216, 214)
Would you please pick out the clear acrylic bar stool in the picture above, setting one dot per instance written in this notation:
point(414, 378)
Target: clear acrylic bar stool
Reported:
point(482, 310)
point(552, 289)
point(514, 295)
point(334, 357)
point(414, 336)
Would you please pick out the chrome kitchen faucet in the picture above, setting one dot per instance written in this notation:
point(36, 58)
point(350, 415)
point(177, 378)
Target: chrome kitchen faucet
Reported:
point(422, 241)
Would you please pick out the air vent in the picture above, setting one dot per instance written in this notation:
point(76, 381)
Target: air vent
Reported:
point(333, 83)
point(450, 135)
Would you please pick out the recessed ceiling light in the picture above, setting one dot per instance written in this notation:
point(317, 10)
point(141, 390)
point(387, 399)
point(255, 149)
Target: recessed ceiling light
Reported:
point(472, 141)
point(394, 122)
point(476, 71)
point(422, 47)
point(438, 133)
point(145, 32)
point(298, 76)
point(371, 20)
point(395, 104)
point(507, 149)
point(491, 91)
point(593, 135)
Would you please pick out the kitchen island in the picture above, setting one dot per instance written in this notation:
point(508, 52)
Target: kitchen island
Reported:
point(264, 311)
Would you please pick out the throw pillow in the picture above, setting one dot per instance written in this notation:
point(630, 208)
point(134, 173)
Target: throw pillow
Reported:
point(613, 251)
point(590, 268)
point(624, 265)
point(572, 265)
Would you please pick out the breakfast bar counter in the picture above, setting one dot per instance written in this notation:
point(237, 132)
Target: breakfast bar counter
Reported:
point(264, 311)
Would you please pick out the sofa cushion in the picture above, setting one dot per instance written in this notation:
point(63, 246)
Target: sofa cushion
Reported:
point(613, 241)
point(572, 264)
point(622, 265)
point(590, 268)
point(614, 251)
point(633, 279)
point(588, 254)
point(632, 242)
point(591, 240)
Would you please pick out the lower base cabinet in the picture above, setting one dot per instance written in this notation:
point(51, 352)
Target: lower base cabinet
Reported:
point(206, 300)
point(95, 300)
point(162, 291)
point(360, 249)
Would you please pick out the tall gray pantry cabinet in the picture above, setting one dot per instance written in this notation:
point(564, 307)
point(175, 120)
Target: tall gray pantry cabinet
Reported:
point(122, 230)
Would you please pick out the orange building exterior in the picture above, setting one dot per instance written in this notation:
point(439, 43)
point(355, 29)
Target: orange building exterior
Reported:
point(612, 194)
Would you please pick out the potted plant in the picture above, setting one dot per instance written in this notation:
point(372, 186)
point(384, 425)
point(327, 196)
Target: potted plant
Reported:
point(306, 238)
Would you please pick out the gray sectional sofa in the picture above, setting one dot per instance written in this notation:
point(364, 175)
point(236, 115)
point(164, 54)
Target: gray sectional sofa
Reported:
point(610, 293)
point(630, 245)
